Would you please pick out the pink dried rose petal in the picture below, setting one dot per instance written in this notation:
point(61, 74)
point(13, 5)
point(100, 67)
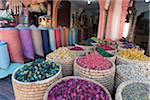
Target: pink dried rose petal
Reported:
point(94, 61)
point(80, 90)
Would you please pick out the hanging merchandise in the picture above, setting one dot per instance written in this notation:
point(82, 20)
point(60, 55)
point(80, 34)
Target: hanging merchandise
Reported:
point(4, 59)
point(37, 40)
point(45, 38)
point(35, 8)
point(57, 37)
point(2, 7)
point(16, 6)
point(52, 39)
point(11, 36)
point(26, 3)
point(37, 1)
point(45, 21)
point(26, 41)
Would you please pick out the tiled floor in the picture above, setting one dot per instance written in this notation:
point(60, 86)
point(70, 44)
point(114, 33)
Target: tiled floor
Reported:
point(6, 89)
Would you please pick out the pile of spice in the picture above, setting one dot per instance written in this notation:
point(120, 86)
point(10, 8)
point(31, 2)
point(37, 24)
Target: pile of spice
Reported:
point(76, 48)
point(94, 61)
point(77, 89)
point(104, 53)
point(36, 71)
point(133, 54)
point(62, 53)
point(132, 72)
point(136, 91)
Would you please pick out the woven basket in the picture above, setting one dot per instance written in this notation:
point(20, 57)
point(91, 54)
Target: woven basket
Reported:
point(131, 72)
point(67, 66)
point(118, 95)
point(74, 77)
point(121, 60)
point(33, 90)
point(104, 77)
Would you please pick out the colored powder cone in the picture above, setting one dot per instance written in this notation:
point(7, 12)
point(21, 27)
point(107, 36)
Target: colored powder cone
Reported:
point(52, 39)
point(45, 39)
point(57, 38)
point(4, 55)
point(62, 34)
point(67, 36)
point(70, 37)
point(11, 36)
point(37, 41)
point(73, 36)
point(75, 32)
point(26, 41)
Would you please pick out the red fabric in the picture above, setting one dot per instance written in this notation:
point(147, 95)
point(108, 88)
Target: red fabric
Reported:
point(57, 38)
point(11, 36)
point(110, 12)
point(123, 16)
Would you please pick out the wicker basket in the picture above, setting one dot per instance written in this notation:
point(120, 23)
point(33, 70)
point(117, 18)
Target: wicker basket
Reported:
point(104, 77)
point(121, 60)
point(67, 66)
point(33, 90)
point(118, 95)
point(74, 77)
point(131, 72)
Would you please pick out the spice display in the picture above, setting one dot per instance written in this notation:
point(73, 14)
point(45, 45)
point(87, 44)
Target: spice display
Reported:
point(133, 72)
point(104, 53)
point(136, 91)
point(77, 89)
point(77, 48)
point(36, 71)
point(94, 61)
point(62, 53)
point(113, 44)
point(126, 44)
point(133, 54)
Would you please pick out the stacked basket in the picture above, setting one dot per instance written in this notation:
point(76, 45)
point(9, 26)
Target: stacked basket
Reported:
point(32, 90)
point(104, 77)
point(131, 72)
point(76, 88)
point(133, 90)
point(64, 57)
point(133, 56)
